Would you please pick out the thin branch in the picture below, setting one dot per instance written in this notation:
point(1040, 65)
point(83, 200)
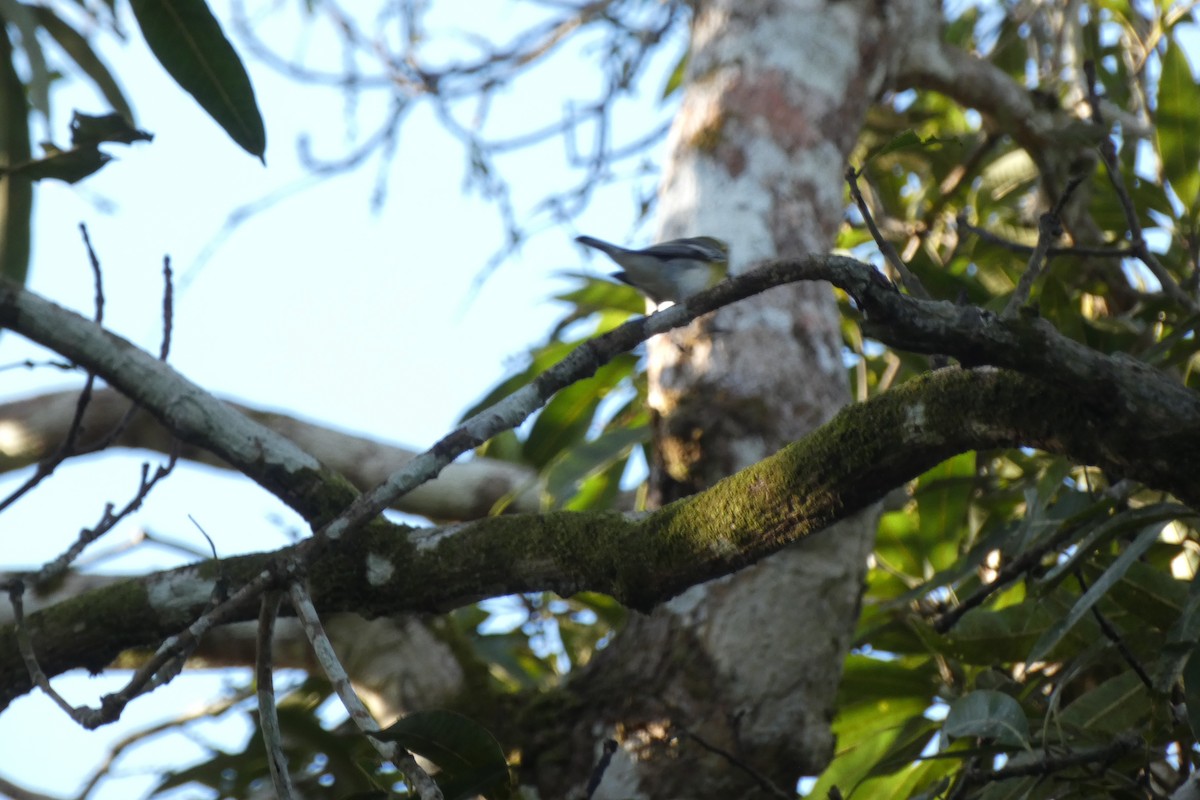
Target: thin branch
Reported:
point(53, 570)
point(1108, 154)
point(1049, 229)
point(117, 748)
point(268, 714)
point(15, 792)
point(1114, 636)
point(16, 592)
point(1152, 407)
point(765, 783)
point(69, 446)
point(97, 277)
point(910, 281)
point(1099, 756)
point(426, 788)
point(606, 754)
point(168, 309)
point(1026, 250)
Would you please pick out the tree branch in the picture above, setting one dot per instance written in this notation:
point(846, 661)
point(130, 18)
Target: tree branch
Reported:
point(463, 491)
point(838, 469)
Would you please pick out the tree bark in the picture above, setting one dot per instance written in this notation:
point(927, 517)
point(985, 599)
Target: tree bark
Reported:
point(726, 691)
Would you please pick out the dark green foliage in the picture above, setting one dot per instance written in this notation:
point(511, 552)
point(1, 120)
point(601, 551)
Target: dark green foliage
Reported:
point(188, 41)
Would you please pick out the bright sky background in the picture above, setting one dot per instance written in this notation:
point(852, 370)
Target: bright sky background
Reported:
point(316, 307)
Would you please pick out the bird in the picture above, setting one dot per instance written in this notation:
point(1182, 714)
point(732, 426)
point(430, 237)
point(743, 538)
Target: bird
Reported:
point(673, 270)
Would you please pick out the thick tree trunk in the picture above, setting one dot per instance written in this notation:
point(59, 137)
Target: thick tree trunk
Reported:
point(728, 690)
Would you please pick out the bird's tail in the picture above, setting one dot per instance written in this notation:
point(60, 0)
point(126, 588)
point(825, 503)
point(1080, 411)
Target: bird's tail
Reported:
point(600, 244)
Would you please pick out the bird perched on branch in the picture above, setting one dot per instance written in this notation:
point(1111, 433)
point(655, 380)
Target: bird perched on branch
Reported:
point(672, 270)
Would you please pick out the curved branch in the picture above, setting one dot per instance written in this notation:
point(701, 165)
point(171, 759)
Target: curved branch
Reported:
point(32, 428)
point(837, 470)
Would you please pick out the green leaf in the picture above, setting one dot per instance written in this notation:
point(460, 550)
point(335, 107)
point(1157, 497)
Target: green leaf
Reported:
point(985, 636)
point(1116, 705)
point(1177, 123)
point(89, 130)
point(864, 736)
point(567, 472)
point(943, 495)
point(1096, 591)
point(16, 193)
point(988, 714)
point(21, 17)
point(675, 79)
point(910, 140)
point(1105, 530)
point(187, 40)
point(68, 166)
point(85, 158)
point(469, 758)
point(566, 419)
point(1191, 691)
point(75, 45)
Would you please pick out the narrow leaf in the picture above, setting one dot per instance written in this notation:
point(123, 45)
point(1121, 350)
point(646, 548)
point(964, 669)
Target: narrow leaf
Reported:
point(16, 193)
point(76, 45)
point(1191, 691)
point(22, 19)
point(1178, 119)
point(1096, 591)
point(187, 40)
point(1118, 704)
point(68, 166)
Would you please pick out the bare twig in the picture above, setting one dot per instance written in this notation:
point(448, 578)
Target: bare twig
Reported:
point(379, 62)
point(910, 281)
point(765, 783)
point(1100, 756)
point(1049, 229)
point(417, 777)
point(54, 569)
point(121, 745)
point(268, 715)
point(1026, 250)
point(168, 309)
point(97, 278)
point(1108, 154)
point(70, 443)
point(1114, 636)
point(16, 593)
point(158, 671)
point(610, 747)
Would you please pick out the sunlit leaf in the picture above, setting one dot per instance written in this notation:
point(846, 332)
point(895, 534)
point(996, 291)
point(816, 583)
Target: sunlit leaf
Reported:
point(1178, 124)
point(943, 495)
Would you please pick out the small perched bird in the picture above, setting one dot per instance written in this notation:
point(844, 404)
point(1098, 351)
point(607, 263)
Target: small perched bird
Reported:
point(672, 270)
